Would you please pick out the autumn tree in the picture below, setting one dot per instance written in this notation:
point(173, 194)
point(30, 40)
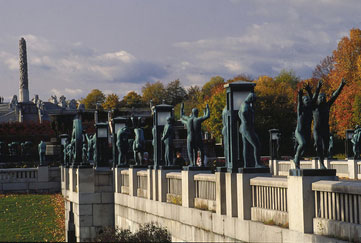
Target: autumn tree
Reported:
point(153, 91)
point(132, 99)
point(347, 63)
point(111, 102)
point(212, 83)
point(94, 97)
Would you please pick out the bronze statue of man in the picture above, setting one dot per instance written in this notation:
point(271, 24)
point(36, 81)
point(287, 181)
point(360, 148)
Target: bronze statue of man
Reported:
point(139, 141)
point(321, 127)
point(304, 120)
point(249, 136)
point(194, 133)
point(167, 139)
point(123, 145)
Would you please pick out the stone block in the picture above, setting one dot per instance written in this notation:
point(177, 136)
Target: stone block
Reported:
point(85, 180)
point(43, 173)
point(301, 201)
point(15, 186)
point(103, 215)
point(155, 184)
point(83, 209)
point(88, 198)
point(107, 197)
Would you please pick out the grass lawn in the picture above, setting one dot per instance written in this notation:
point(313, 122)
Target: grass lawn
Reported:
point(32, 217)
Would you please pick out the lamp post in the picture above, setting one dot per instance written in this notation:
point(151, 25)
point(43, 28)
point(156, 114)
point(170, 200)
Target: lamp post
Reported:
point(274, 136)
point(101, 158)
point(237, 92)
point(63, 140)
point(160, 115)
point(348, 143)
point(117, 123)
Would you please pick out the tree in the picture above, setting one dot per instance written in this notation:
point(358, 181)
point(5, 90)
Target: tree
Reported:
point(287, 77)
point(347, 60)
point(111, 102)
point(275, 108)
point(132, 99)
point(323, 69)
point(214, 82)
point(175, 93)
point(194, 94)
point(95, 96)
point(155, 92)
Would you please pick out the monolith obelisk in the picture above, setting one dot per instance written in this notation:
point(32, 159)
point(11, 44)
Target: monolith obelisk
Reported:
point(24, 88)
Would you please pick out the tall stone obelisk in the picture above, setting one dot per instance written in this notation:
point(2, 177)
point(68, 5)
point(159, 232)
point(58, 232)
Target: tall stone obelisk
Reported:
point(24, 87)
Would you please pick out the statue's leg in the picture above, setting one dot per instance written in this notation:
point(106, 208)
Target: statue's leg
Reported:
point(254, 141)
point(190, 152)
point(300, 149)
point(200, 147)
point(319, 149)
point(245, 151)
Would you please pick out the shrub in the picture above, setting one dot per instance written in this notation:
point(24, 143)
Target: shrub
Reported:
point(149, 232)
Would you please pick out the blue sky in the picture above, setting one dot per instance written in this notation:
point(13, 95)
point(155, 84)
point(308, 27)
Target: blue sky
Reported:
point(117, 46)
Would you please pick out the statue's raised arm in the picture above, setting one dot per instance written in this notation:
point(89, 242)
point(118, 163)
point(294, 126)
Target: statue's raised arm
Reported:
point(206, 114)
point(315, 95)
point(183, 117)
point(337, 92)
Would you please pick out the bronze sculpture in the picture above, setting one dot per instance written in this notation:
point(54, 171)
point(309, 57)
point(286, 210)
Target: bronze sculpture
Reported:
point(194, 133)
point(167, 139)
point(249, 136)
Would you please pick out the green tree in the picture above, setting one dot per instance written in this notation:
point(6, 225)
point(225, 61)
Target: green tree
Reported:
point(287, 77)
point(175, 93)
point(153, 91)
point(132, 99)
point(111, 102)
point(95, 96)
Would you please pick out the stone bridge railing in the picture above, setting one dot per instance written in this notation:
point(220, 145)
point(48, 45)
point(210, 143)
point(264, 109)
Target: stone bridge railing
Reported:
point(344, 168)
point(196, 205)
point(40, 179)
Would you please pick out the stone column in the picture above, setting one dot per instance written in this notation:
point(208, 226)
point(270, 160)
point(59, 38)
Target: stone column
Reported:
point(220, 193)
point(150, 184)
point(24, 89)
point(244, 190)
point(188, 192)
point(133, 181)
point(43, 174)
point(231, 194)
point(301, 198)
point(155, 184)
point(352, 168)
point(314, 164)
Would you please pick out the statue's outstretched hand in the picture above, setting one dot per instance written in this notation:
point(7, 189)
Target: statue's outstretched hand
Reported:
point(320, 83)
point(343, 81)
point(308, 88)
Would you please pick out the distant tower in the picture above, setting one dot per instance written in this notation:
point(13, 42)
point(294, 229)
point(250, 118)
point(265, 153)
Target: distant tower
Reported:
point(24, 89)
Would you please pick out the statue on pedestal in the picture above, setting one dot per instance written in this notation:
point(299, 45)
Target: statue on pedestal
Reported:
point(304, 120)
point(356, 141)
point(42, 150)
point(321, 127)
point(249, 136)
point(139, 141)
point(194, 133)
point(123, 145)
point(167, 139)
point(91, 141)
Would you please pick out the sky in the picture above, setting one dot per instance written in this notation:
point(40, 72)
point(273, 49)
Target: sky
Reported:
point(119, 45)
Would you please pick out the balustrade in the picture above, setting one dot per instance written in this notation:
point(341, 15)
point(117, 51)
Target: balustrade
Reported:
point(205, 192)
point(142, 185)
point(174, 188)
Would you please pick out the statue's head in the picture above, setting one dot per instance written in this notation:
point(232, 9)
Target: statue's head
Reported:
point(321, 98)
point(250, 98)
point(195, 112)
point(306, 100)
